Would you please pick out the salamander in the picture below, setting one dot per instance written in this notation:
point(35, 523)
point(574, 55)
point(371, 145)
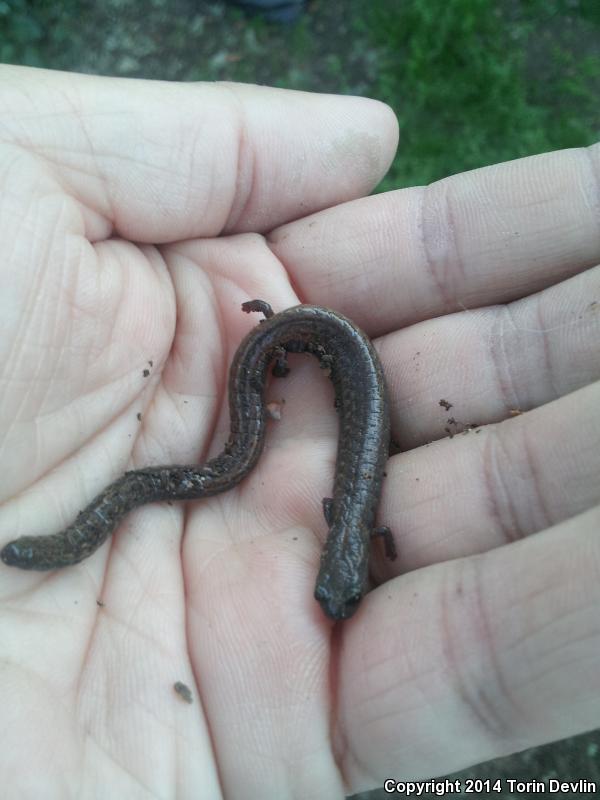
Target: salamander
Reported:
point(361, 398)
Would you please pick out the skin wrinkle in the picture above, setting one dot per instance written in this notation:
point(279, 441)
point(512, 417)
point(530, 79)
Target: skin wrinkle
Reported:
point(199, 694)
point(94, 633)
point(175, 411)
point(152, 715)
point(78, 168)
point(544, 342)
point(450, 655)
point(418, 676)
point(68, 456)
point(245, 170)
point(56, 317)
point(340, 751)
point(458, 266)
point(15, 353)
point(474, 696)
point(211, 191)
point(429, 259)
point(565, 647)
point(121, 626)
point(483, 616)
point(594, 170)
point(101, 176)
point(495, 487)
point(195, 145)
point(564, 644)
point(438, 241)
point(500, 361)
point(246, 175)
point(345, 758)
point(536, 502)
point(218, 379)
point(559, 669)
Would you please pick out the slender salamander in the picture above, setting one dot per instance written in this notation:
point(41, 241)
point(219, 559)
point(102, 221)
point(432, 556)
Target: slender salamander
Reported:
point(362, 402)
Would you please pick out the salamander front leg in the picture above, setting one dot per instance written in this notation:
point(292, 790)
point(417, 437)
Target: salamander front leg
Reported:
point(328, 510)
point(383, 531)
point(261, 306)
point(388, 541)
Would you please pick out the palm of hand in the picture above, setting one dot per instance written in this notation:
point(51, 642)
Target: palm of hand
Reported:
point(116, 353)
point(123, 351)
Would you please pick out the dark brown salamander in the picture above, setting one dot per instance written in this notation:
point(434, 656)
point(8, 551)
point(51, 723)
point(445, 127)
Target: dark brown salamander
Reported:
point(361, 399)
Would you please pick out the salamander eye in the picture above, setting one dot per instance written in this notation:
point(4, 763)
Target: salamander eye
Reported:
point(351, 604)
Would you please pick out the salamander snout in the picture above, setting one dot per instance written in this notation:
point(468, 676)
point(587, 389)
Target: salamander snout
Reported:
point(337, 606)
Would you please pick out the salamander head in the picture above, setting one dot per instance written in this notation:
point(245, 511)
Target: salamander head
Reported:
point(342, 576)
point(335, 606)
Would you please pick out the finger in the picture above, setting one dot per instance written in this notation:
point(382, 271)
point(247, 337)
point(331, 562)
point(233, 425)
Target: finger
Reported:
point(161, 161)
point(493, 653)
point(495, 485)
point(478, 367)
point(482, 237)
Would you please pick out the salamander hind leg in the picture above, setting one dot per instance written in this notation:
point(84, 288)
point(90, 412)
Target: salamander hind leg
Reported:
point(388, 541)
point(280, 367)
point(328, 510)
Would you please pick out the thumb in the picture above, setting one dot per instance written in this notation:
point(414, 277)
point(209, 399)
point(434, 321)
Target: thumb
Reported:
point(162, 161)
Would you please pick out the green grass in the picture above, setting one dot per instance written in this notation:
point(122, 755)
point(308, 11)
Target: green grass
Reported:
point(472, 86)
point(456, 77)
point(473, 82)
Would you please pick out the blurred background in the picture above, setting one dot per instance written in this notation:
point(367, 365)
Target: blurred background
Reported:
point(472, 82)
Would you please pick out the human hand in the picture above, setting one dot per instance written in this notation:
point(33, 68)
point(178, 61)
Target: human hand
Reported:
point(121, 288)
point(228, 606)
point(485, 291)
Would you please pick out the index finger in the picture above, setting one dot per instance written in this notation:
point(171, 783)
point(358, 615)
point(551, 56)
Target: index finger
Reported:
point(486, 236)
